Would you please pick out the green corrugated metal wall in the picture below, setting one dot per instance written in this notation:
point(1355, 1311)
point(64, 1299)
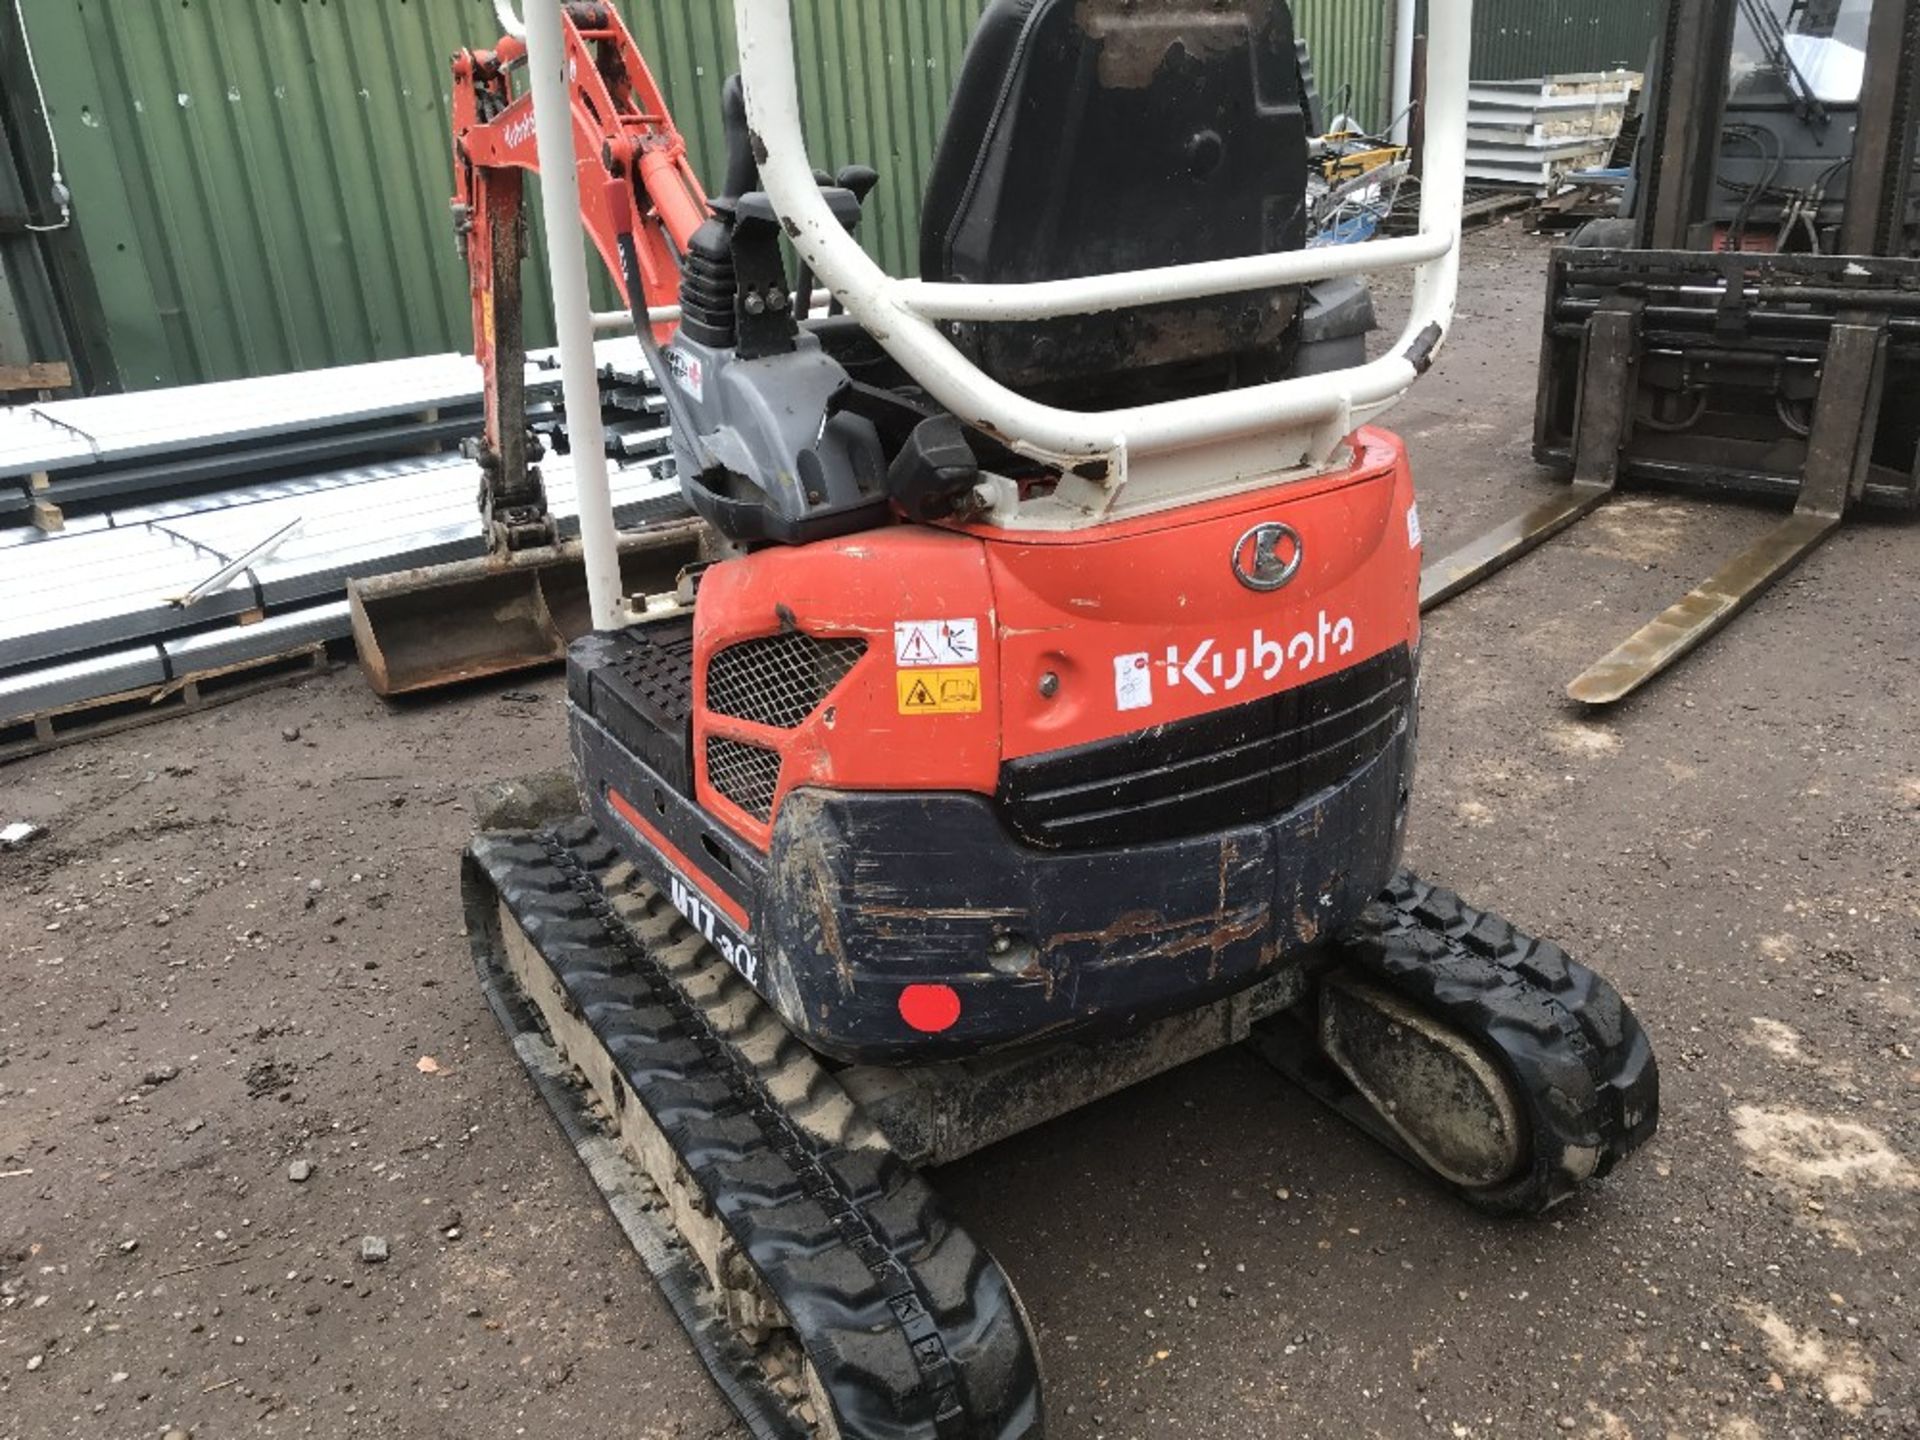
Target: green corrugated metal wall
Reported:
point(261, 187)
point(262, 184)
point(1348, 39)
point(1519, 39)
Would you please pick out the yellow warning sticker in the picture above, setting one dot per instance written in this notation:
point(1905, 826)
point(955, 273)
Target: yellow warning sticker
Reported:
point(939, 692)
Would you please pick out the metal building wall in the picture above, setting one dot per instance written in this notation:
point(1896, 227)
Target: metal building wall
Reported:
point(1348, 40)
point(1519, 39)
point(262, 185)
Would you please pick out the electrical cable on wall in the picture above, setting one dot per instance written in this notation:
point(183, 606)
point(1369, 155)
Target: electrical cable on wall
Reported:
point(61, 195)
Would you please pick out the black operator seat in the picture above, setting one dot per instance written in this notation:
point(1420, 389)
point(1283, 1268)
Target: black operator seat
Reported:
point(1088, 137)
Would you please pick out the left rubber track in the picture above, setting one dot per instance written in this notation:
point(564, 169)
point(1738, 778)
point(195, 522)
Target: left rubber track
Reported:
point(824, 1284)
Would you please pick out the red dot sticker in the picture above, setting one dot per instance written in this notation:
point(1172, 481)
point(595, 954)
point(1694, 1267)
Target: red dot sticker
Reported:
point(930, 1008)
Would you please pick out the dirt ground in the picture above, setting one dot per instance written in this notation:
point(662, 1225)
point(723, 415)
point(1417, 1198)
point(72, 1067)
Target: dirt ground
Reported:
point(239, 947)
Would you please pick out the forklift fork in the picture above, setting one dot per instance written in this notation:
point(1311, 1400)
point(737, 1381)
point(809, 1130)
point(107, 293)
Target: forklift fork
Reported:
point(1685, 295)
point(1600, 433)
point(1839, 450)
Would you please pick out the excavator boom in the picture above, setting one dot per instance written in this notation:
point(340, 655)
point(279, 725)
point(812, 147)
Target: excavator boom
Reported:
point(640, 202)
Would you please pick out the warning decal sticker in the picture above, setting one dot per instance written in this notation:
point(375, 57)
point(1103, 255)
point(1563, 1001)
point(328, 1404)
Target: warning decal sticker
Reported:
point(939, 692)
point(936, 642)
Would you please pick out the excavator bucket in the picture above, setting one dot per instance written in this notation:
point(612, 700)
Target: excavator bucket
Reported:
point(444, 624)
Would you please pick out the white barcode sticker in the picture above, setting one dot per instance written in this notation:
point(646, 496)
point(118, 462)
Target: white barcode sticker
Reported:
point(1132, 682)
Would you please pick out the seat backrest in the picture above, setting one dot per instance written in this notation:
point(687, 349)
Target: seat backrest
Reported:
point(1093, 136)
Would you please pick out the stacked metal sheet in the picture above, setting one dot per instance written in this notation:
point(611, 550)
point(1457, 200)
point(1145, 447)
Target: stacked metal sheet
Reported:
point(1531, 133)
point(75, 453)
point(120, 600)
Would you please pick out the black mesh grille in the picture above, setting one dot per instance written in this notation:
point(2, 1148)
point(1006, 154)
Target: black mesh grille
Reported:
point(778, 681)
point(746, 774)
point(1193, 777)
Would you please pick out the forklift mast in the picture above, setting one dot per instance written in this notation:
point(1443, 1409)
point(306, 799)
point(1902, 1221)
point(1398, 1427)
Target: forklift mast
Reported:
point(1783, 125)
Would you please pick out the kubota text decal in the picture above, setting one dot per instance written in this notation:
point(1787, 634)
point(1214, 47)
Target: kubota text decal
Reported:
point(1211, 668)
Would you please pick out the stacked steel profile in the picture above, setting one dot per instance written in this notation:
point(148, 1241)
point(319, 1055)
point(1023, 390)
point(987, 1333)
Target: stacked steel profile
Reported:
point(155, 544)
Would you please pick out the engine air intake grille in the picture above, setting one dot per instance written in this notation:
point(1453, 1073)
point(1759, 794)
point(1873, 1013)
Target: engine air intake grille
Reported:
point(778, 681)
point(746, 774)
point(1236, 766)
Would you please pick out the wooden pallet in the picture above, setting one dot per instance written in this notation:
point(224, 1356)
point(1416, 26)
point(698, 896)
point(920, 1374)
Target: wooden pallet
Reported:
point(184, 694)
point(1483, 207)
point(1573, 207)
point(42, 377)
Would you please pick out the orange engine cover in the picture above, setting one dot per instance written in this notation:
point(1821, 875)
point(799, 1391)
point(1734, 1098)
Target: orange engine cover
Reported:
point(984, 645)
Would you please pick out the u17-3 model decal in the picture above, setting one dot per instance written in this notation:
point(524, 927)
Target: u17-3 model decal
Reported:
point(701, 915)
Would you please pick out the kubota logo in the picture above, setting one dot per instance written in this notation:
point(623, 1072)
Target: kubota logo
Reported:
point(518, 132)
point(1268, 556)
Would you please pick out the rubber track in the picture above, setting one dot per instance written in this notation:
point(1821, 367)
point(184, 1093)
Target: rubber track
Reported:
point(630, 1195)
point(912, 1329)
point(1583, 1067)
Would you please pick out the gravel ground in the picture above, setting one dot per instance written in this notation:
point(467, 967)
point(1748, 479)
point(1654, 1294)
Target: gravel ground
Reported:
point(241, 1037)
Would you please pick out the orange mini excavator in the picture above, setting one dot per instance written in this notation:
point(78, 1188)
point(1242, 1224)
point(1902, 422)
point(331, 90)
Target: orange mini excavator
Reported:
point(1044, 714)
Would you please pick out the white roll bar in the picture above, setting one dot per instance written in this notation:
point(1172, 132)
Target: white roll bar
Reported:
point(1045, 299)
point(572, 315)
point(1159, 454)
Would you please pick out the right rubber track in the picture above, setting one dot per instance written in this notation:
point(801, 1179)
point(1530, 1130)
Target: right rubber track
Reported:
point(1583, 1068)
